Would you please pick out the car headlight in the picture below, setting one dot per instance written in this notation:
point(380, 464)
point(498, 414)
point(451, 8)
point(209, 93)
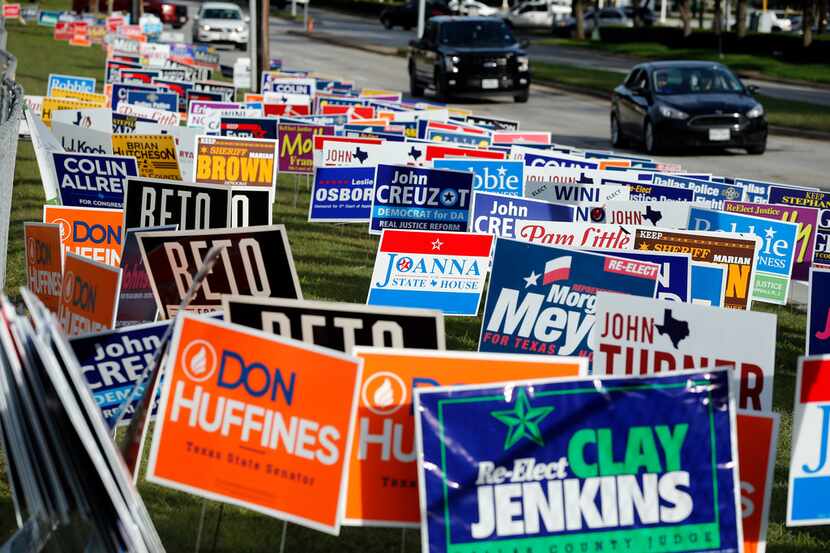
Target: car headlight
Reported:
point(755, 112)
point(672, 113)
point(523, 62)
point(450, 63)
point(205, 27)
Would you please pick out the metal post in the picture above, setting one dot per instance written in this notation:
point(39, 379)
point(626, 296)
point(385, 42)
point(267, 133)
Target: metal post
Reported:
point(422, 12)
point(252, 44)
point(293, 8)
point(305, 15)
point(201, 526)
point(282, 539)
point(662, 11)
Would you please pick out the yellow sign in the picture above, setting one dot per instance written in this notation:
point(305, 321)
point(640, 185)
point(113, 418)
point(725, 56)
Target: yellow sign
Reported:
point(51, 104)
point(91, 97)
point(155, 154)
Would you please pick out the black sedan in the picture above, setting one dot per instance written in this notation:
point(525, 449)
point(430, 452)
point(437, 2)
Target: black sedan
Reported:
point(687, 104)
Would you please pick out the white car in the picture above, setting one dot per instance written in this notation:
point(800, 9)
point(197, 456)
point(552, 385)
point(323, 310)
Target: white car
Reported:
point(472, 7)
point(221, 22)
point(532, 13)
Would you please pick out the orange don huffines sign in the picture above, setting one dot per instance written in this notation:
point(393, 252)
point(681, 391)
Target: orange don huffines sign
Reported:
point(89, 295)
point(91, 232)
point(256, 420)
point(383, 476)
point(44, 262)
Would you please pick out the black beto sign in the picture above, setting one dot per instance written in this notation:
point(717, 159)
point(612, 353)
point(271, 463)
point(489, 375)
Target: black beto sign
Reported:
point(339, 326)
point(155, 202)
point(255, 261)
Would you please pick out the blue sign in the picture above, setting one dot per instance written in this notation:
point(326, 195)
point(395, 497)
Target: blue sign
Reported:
point(818, 320)
point(708, 283)
point(461, 138)
point(120, 91)
point(48, 18)
point(713, 194)
point(756, 191)
point(87, 180)
point(673, 284)
point(342, 194)
point(580, 465)
point(550, 159)
point(499, 214)
point(541, 299)
point(114, 361)
point(653, 192)
point(499, 176)
point(775, 260)
point(168, 101)
point(413, 198)
point(70, 82)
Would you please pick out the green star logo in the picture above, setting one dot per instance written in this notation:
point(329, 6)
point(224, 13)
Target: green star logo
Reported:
point(522, 421)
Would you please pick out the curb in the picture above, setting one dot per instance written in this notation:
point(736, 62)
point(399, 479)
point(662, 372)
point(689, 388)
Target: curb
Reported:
point(574, 89)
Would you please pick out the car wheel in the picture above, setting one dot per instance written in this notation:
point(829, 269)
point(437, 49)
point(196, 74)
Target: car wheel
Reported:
point(415, 90)
point(650, 138)
point(758, 149)
point(617, 138)
point(522, 97)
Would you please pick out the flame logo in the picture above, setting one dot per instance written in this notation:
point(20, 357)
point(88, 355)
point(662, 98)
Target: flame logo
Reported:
point(383, 393)
point(199, 360)
point(198, 363)
point(384, 396)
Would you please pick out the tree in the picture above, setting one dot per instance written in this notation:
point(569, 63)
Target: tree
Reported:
point(740, 15)
point(686, 17)
point(717, 18)
point(577, 10)
point(809, 10)
point(823, 8)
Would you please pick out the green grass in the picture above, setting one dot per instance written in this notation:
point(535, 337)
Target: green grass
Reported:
point(786, 113)
point(764, 65)
point(334, 263)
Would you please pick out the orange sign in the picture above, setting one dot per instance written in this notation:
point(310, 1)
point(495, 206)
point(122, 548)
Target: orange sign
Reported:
point(757, 440)
point(256, 420)
point(92, 232)
point(89, 296)
point(44, 262)
point(383, 476)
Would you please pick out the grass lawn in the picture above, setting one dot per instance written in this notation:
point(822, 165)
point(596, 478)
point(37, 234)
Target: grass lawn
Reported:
point(334, 263)
point(765, 65)
point(785, 113)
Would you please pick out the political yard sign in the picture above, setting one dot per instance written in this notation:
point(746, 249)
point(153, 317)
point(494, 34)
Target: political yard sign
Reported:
point(44, 262)
point(136, 303)
point(611, 464)
point(382, 470)
point(501, 177)
point(818, 312)
point(808, 198)
point(287, 413)
point(88, 231)
point(342, 194)
point(642, 336)
point(113, 362)
point(757, 444)
point(500, 215)
point(86, 180)
point(431, 270)
point(237, 161)
point(89, 295)
point(542, 299)
point(412, 198)
point(809, 485)
point(155, 153)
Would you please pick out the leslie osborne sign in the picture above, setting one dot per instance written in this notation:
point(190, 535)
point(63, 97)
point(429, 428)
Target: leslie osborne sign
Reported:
point(281, 425)
point(612, 464)
point(542, 299)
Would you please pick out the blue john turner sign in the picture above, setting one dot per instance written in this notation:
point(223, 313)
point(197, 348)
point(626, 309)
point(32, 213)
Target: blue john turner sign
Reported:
point(629, 465)
point(410, 198)
point(542, 299)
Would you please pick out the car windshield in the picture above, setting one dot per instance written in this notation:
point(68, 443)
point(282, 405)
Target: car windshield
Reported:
point(695, 80)
point(480, 33)
point(221, 13)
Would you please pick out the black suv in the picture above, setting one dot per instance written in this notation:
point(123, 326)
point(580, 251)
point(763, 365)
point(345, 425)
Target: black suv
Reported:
point(469, 56)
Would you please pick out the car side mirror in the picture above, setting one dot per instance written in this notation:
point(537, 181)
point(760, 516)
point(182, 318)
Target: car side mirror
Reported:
point(753, 89)
point(524, 43)
point(247, 19)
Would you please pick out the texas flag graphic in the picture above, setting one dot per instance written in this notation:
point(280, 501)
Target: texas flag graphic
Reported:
point(557, 269)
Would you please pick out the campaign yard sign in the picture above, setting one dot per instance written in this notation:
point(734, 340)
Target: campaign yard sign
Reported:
point(542, 299)
point(136, 304)
point(296, 146)
point(808, 198)
point(735, 252)
point(95, 233)
point(501, 215)
point(643, 336)
point(647, 464)
point(165, 101)
point(86, 180)
point(444, 271)
point(69, 82)
point(44, 262)
point(414, 198)
point(342, 194)
point(712, 194)
point(256, 261)
point(646, 192)
point(155, 153)
point(774, 263)
point(248, 127)
point(807, 219)
point(664, 214)
point(382, 485)
point(236, 161)
point(149, 203)
point(89, 295)
point(593, 236)
point(708, 283)
point(818, 312)
point(674, 280)
point(113, 362)
point(546, 184)
point(757, 444)
point(500, 177)
point(338, 326)
point(287, 412)
point(809, 484)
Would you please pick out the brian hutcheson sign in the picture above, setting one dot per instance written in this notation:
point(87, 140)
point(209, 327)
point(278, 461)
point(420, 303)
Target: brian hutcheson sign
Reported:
point(647, 464)
point(643, 336)
point(283, 422)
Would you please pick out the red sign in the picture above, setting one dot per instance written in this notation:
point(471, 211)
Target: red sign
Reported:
point(757, 440)
point(285, 110)
point(11, 11)
point(62, 31)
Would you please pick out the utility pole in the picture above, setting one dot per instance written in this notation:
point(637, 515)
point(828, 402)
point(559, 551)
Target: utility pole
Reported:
point(258, 40)
point(136, 8)
point(422, 12)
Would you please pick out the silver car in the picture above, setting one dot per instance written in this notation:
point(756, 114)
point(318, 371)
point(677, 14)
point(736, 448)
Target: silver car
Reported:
point(221, 22)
